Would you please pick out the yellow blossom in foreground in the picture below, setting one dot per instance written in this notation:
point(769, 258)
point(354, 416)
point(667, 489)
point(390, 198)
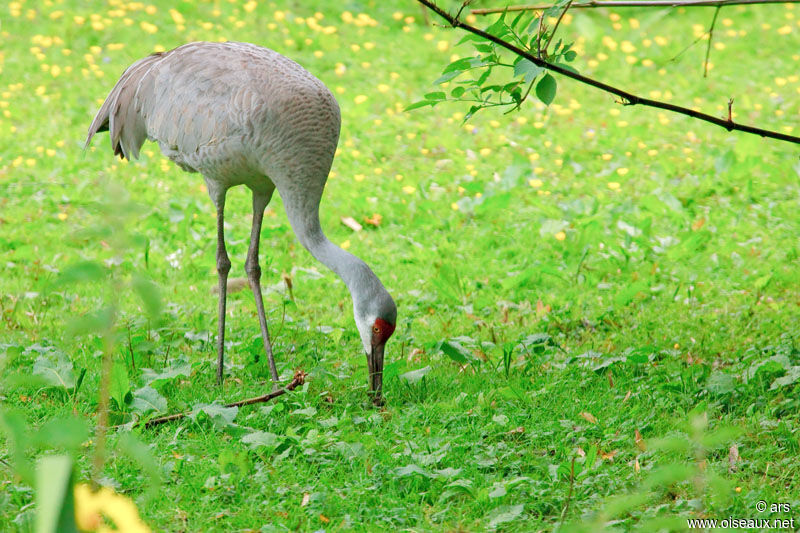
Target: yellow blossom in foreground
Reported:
point(613, 185)
point(408, 189)
point(345, 245)
point(560, 236)
point(622, 171)
point(250, 6)
point(535, 182)
point(148, 28)
point(360, 99)
point(90, 507)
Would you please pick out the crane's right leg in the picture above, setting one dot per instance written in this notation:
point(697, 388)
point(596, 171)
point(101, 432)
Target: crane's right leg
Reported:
point(260, 201)
point(223, 267)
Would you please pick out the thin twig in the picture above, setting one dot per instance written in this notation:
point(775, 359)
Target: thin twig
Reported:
point(555, 28)
point(297, 380)
point(626, 97)
point(708, 46)
point(539, 35)
point(569, 494)
point(633, 3)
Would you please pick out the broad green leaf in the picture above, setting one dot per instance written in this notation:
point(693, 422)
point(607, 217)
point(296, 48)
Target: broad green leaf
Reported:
point(55, 503)
point(459, 65)
point(415, 376)
point(546, 89)
point(179, 368)
point(307, 412)
point(528, 69)
point(500, 420)
point(258, 439)
point(444, 78)
point(447, 473)
point(436, 96)
point(720, 383)
point(777, 364)
point(120, 385)
point(410, 470)
point(220, 416)
point(455, 351)
point(504, 514)
point(56, 370)
point(147, 400)
point(498, 491)
point(790, 378)
point(417, 105)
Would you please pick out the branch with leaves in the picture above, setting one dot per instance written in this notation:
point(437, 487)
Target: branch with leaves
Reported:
point(533, 66)
point(633, 3)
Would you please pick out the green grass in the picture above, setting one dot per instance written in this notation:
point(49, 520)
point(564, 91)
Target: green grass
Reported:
point(639, 271)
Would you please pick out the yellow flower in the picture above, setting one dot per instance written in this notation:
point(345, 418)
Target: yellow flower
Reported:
point(382, 88)
point(90, 507)
point(177, 18)
point(250, 6)
point(345, 245)
point(360, 99)
point(442, 46)
point(613, 185)
point(535, 182)
point(560, 236)
point(148, 28)
point(622, 171)
point(408, 189)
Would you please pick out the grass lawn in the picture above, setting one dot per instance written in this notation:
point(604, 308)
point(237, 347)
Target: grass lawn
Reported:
point(599, 306)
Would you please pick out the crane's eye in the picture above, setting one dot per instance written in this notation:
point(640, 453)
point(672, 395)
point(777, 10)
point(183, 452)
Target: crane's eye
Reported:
point(376, 329)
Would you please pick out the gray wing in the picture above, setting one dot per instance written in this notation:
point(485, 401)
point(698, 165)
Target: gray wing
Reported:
point(186, 98)
point(119, 110)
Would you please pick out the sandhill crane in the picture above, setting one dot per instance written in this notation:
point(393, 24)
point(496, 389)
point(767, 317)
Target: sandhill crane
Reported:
point(240, 114)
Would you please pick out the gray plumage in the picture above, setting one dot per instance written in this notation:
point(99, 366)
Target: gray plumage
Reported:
point(240, 114)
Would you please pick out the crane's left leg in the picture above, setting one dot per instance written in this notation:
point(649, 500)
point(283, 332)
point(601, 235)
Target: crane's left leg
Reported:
point(260, 201)
point(223, 267)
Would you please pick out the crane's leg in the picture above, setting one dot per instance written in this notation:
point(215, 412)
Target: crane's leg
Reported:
point(260, 201)
point(223, 267)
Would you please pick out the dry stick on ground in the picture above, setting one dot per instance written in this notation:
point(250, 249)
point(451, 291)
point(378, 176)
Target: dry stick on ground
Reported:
point(634, 3)
point(626, 97)
point(298, 379)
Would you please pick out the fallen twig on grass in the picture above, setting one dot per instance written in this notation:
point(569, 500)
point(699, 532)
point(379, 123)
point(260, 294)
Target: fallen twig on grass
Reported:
point(626, 98)
point(298, 379)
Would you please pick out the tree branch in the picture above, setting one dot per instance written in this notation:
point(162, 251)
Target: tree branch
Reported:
point(625, 97)
point(634, 3)
point(297, 380)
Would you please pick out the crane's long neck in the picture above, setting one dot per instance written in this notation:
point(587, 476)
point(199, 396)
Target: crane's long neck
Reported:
point(362, 283)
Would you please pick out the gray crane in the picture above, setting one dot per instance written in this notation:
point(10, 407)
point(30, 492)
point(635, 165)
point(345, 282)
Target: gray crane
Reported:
point(241, 114)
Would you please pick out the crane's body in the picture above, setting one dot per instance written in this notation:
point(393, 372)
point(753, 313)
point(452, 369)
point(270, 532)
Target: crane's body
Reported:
point(240, 114)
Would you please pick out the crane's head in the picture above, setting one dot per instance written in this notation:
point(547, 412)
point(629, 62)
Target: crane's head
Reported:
point(375, 326)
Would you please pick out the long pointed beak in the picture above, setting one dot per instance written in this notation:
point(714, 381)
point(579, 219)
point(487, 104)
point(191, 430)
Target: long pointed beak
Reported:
point(375, 366)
